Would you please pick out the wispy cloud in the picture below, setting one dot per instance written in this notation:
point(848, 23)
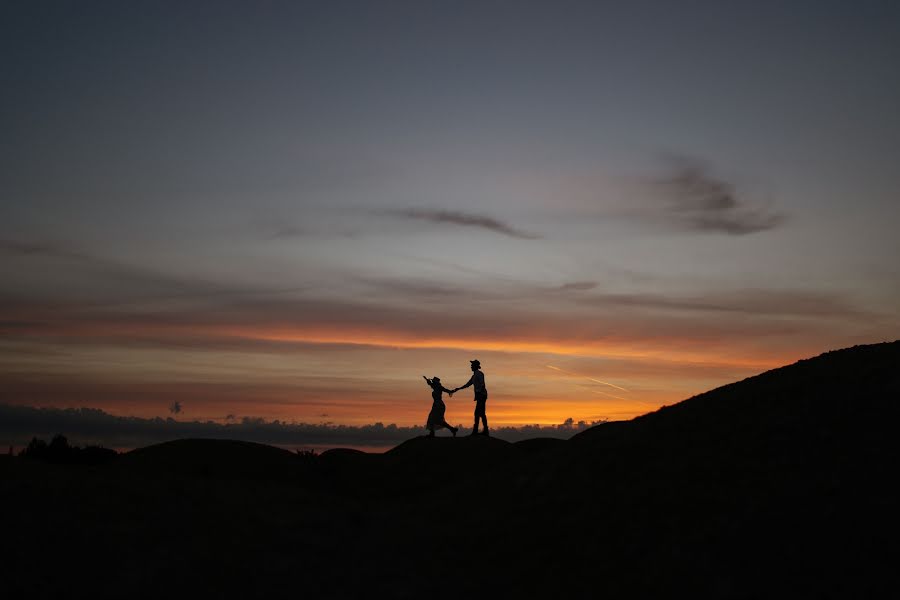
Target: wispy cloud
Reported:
point(288, 232)
point(41, 249)
point(464, 220)
point(102, 273)
point(112, 283)
point(698, 201)
point(577, 286)
point(397, 311)
point(749, 302)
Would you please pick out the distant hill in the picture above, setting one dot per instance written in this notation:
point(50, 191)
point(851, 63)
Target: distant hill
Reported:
point(778, 486)
point(839, 390)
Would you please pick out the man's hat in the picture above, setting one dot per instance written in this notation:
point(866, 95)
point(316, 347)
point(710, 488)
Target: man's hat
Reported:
point(475, 363)
point(435, 378)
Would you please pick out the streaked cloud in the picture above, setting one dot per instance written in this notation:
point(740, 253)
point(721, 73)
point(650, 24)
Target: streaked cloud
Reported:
point(758, 302)
point(464, 219)
point(105, 279)
point(418, 313)
point(41, 249)
point(106, 283)
point(696, 200)
point(288, 232)
point(577, 286)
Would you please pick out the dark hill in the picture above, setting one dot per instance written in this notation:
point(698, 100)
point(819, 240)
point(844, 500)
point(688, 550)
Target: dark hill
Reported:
point(778, 486)
point(761, 484)
point(211, 458)
point(840, 392)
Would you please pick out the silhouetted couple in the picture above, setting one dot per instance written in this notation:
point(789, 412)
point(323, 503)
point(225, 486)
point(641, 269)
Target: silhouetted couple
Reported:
point(438, 408)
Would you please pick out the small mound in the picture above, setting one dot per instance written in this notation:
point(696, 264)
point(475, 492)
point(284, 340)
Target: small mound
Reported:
point(347, 457)
point(448, 455)
point(340, 453)
point(434, 446)
point(211, 458)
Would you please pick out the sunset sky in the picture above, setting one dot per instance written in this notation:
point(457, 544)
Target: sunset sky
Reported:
point(295, 210)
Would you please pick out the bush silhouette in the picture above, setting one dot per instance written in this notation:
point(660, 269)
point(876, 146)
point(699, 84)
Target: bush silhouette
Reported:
point(60, 452)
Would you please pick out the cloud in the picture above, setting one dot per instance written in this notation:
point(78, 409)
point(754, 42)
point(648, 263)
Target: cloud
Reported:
point(420, 314)
point(698, 201)
point(750, 302)
point(577, 286)
point(288, 231)
point(18, 424)
point(38, 249)
point(107, 279)
point(413, 288)
point(110, 284)
point(464, 220)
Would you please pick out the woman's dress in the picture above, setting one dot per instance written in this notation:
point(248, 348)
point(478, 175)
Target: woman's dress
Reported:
point(438, 408)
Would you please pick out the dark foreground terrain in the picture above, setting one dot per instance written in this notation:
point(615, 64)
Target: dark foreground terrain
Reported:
point(776, 486)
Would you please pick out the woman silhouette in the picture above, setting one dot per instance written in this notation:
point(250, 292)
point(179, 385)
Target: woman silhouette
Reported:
point(436, 416)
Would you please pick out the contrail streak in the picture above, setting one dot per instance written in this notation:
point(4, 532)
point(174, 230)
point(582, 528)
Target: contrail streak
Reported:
point(607, 383)
point(588, 378)
point(605, 394)
point(593, 391)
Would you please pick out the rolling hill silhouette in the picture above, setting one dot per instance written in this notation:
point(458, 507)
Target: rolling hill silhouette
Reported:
point(776, 486)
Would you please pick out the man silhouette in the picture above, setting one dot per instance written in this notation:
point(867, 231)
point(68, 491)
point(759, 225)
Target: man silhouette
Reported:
point(477, 380)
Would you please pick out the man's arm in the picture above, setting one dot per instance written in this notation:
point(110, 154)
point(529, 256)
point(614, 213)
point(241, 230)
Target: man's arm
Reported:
point(470, 382)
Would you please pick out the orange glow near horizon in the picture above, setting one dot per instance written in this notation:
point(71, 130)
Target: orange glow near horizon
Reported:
point(644, 349)
point(661, 348)
point(201, 366)
point(617, 350)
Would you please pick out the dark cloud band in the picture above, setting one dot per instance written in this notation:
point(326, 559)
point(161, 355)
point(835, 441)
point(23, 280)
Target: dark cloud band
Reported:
point(464, 220)
point(698, 201)
point(93, 426)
